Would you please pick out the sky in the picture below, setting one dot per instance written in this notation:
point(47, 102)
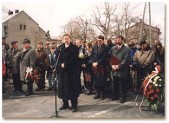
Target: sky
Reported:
point(53, 15)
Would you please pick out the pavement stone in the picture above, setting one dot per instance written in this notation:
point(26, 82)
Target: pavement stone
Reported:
point(41, 105)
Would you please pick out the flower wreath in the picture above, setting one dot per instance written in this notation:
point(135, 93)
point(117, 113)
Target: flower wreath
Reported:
point(32, 74)
point(153, 89)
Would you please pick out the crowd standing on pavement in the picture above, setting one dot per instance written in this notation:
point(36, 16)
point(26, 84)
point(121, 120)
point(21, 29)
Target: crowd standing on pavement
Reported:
point(100, 63)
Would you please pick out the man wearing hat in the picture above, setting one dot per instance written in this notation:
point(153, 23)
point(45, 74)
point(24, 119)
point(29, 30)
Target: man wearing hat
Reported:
point(42, 62)
point(28, 59)
point(13, 61)
point(144, 59)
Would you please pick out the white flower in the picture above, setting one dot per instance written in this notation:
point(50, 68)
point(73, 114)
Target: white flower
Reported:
point(150, 82)
point(159, 85)
point(160, 79)
point(81, 55)
point(156, 85)
point(29, 70)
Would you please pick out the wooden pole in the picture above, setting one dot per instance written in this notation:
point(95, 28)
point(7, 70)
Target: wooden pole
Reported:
point(150, 41)
point(141, 31)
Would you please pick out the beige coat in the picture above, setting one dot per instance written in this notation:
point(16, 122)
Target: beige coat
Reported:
point(144, 58)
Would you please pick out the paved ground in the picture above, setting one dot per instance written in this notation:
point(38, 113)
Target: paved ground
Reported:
point(41, 105)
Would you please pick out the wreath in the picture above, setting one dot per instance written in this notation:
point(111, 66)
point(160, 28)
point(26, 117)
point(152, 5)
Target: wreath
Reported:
point(32, 74)
point(153, 89)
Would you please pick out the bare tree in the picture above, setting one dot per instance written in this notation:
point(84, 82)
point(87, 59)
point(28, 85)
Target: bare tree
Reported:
point(125, 19)
point(87, 29)
point(73, 28)
point(102, 19)
point(129, 18)
point(80, 28)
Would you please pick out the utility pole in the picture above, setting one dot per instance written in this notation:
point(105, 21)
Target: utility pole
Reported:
point(150, 23)
point(125, 25)
point(141, 31)
point(165, 27)
point(85, 36)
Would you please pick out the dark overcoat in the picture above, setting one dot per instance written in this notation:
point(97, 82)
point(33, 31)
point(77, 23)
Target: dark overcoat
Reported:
point(122, 54)
point(69, 86)
point(99, 55)
point(42, 59)
point(13, 60)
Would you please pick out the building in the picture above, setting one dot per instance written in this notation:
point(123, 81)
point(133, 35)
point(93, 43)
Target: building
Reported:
point(20, 26)
point(56, 41)
point(134, 32)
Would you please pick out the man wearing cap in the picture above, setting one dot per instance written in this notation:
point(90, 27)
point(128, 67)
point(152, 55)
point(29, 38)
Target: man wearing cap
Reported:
point(13, 62)
point(42, 62)
point(144, 59)
point(28, 59)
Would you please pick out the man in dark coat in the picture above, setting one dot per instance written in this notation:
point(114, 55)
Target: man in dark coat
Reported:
point(69, 87)
point(99, 61)
point(13, 62)
point(81, 56)
point(120, 70)
point(42, 61)
point(51, 67)
point(28, 59)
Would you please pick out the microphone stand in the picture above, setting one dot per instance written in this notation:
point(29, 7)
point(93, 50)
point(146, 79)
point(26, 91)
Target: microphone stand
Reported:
point(55, 85)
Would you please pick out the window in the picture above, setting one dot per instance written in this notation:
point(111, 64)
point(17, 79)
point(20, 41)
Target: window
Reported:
point(20, 26)
point(24, 27)
point(5, 30)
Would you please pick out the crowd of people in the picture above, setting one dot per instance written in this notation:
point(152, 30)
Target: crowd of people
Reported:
point(98, 62)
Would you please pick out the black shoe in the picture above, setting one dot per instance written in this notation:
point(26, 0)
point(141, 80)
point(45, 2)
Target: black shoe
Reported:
point(38, 89)
point(97, 96)
point(114, 98)
point(102, 96)
point(43, 89)
point(89, 93)
point(49, 89)
point(28, 94)
point(122, 100)
point(63, 107)
point(74, 109)
point(16, 91)
point(21, 92)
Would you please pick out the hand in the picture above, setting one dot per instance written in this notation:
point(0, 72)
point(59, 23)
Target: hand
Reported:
point(113, 67)
point(62, 65)
point(83, 65)
point(117, 67)
point(95, 64)
point(51, 67)
point(155, 63)
point(131, 66)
